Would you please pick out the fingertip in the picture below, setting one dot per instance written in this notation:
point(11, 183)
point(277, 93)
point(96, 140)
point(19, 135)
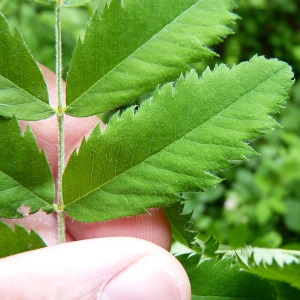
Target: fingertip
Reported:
point(146, 278)
point(94, 269)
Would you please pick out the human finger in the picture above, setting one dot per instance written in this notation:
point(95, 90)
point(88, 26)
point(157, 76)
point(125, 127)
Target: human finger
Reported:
point(153, 227)
point(102, 269)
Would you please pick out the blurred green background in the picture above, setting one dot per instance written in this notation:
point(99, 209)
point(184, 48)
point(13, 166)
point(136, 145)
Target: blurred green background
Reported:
point(258, 203)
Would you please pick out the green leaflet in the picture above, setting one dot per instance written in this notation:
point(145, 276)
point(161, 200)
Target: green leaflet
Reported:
point(222, 279)
point(146, 159)
point(211, 246)
point(182, 229)
point(136, 45)
point(18, 240)
point(274, 264)
point(23, 91)
point(25, 177)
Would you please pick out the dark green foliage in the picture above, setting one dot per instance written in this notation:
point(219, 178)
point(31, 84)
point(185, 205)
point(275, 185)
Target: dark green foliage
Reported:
point(25, 176)
point(182, 227)
point(286, 292)
point(23, 94)
point(223, 279)
point(18, 240)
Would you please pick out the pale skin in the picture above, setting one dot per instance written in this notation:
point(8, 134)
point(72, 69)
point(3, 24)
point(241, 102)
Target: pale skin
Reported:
point(124, 259)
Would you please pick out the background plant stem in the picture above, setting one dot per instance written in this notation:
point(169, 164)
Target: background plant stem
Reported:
point(60, 119)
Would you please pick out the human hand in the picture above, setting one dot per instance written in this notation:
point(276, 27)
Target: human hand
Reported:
point(122, 259)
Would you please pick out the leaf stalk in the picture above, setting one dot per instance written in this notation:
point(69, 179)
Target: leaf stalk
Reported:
point(60, 120)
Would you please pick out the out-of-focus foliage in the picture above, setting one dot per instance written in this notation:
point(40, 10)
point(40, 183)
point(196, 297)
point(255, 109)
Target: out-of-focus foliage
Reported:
point(259, 201)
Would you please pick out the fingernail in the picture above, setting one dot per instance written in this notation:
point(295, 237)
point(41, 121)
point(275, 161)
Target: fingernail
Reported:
point(145, 279)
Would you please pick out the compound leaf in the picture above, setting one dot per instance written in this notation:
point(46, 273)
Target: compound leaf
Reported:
point(25, 176)
point(274, 264)
point(222, 279)
point(136, 45)
point(23, 91)
point(146, 159)
point(18, 240)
